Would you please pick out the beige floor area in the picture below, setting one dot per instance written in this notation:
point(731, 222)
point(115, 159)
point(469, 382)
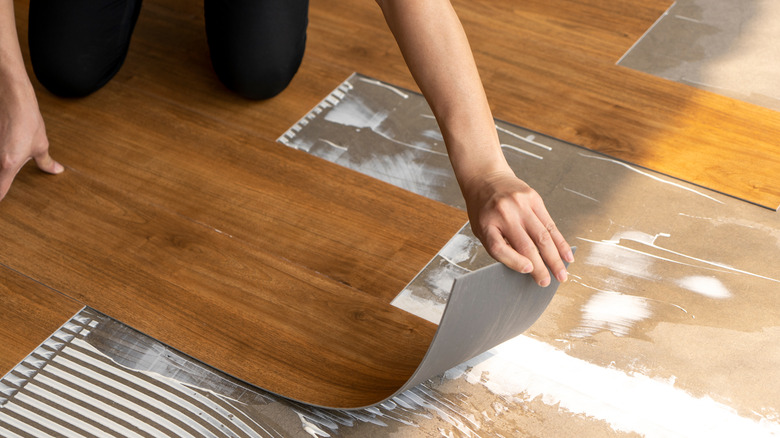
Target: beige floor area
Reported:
point(727, 47)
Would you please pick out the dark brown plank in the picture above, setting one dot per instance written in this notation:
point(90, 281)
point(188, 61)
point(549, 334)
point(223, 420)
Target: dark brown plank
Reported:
point(30, 313)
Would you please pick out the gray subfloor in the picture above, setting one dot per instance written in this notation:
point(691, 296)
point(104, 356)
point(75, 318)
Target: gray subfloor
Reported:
point(729, 47)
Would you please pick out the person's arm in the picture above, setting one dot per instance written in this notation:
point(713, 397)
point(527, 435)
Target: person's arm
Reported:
point(505, 213)
point(22, 132)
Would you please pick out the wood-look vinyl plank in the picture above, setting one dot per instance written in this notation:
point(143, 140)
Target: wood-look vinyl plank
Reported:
point(30, 313)
point(163, 144)
point(349, 227)
point(265, 262)
point(258, 317)
point(552, 87)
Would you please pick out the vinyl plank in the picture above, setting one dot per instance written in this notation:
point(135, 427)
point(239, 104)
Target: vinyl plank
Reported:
point(224, 244)
point(252, 315)
point(349, 227)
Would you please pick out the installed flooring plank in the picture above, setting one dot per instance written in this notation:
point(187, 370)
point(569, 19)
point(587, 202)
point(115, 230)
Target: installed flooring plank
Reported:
point(708, 139)
point(31, 312)
point(174, 141)
point(705, 138)
point(252, 315)
point(351, 228)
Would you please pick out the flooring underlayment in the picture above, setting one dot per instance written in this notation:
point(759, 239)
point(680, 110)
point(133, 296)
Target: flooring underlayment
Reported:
point(668, 327)
point(725, 46)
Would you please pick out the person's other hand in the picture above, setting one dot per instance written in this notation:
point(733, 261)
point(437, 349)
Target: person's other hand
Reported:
point(513, 224)
point(22, 138)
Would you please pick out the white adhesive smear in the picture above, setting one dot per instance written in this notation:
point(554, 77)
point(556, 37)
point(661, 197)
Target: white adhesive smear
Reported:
point(354, 113)
point(384, 85)
point(424, 308)
point(613, 256)
point(459, 249)
point(613, 311)
point(651, 176)
point(649, 240)
point(710, 287)
point(531, 139)
point(525, 369)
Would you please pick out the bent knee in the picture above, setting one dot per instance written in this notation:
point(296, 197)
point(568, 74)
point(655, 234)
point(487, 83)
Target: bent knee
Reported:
point(257, 82)
point(256, 47)
point(72, 78)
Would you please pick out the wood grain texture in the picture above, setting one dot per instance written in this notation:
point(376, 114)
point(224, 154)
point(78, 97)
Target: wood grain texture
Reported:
point(256, 316)
point(29, 313)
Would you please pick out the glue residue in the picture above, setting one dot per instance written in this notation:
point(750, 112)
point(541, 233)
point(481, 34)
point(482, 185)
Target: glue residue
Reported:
point(353, 112)
point(460, 249)
point(612, 311)
point(611, 255)
point(524, 369)
point(709, 287)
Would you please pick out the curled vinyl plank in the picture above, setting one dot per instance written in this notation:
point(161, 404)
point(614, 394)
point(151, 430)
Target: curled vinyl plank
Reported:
point(485, 308)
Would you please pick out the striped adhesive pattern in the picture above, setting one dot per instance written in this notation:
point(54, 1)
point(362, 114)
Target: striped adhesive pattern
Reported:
point(68, 388)
point(329, 101)
point(96, 377)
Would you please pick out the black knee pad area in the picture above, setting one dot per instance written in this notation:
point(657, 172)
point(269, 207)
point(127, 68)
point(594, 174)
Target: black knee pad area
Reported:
point(256, 46)
point(77, 46)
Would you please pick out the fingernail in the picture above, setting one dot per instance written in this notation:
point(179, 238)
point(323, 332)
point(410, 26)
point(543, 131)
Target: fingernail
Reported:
point(545, 282)
point(527, 269)
point(570, 257)
point(562, 276)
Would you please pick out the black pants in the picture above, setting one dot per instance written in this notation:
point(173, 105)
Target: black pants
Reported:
point(256, 46)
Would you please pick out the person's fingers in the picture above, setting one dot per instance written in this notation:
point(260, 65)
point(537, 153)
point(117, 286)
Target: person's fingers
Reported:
point(47, 164)
point(7, 175)
point(542, 236)
point(5, 183)
point(498, 248)
point(560, 242)
point(523, 245)
point(44, 162)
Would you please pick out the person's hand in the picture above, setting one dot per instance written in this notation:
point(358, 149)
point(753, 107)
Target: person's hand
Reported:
point(513, 224)
point(22, 138)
